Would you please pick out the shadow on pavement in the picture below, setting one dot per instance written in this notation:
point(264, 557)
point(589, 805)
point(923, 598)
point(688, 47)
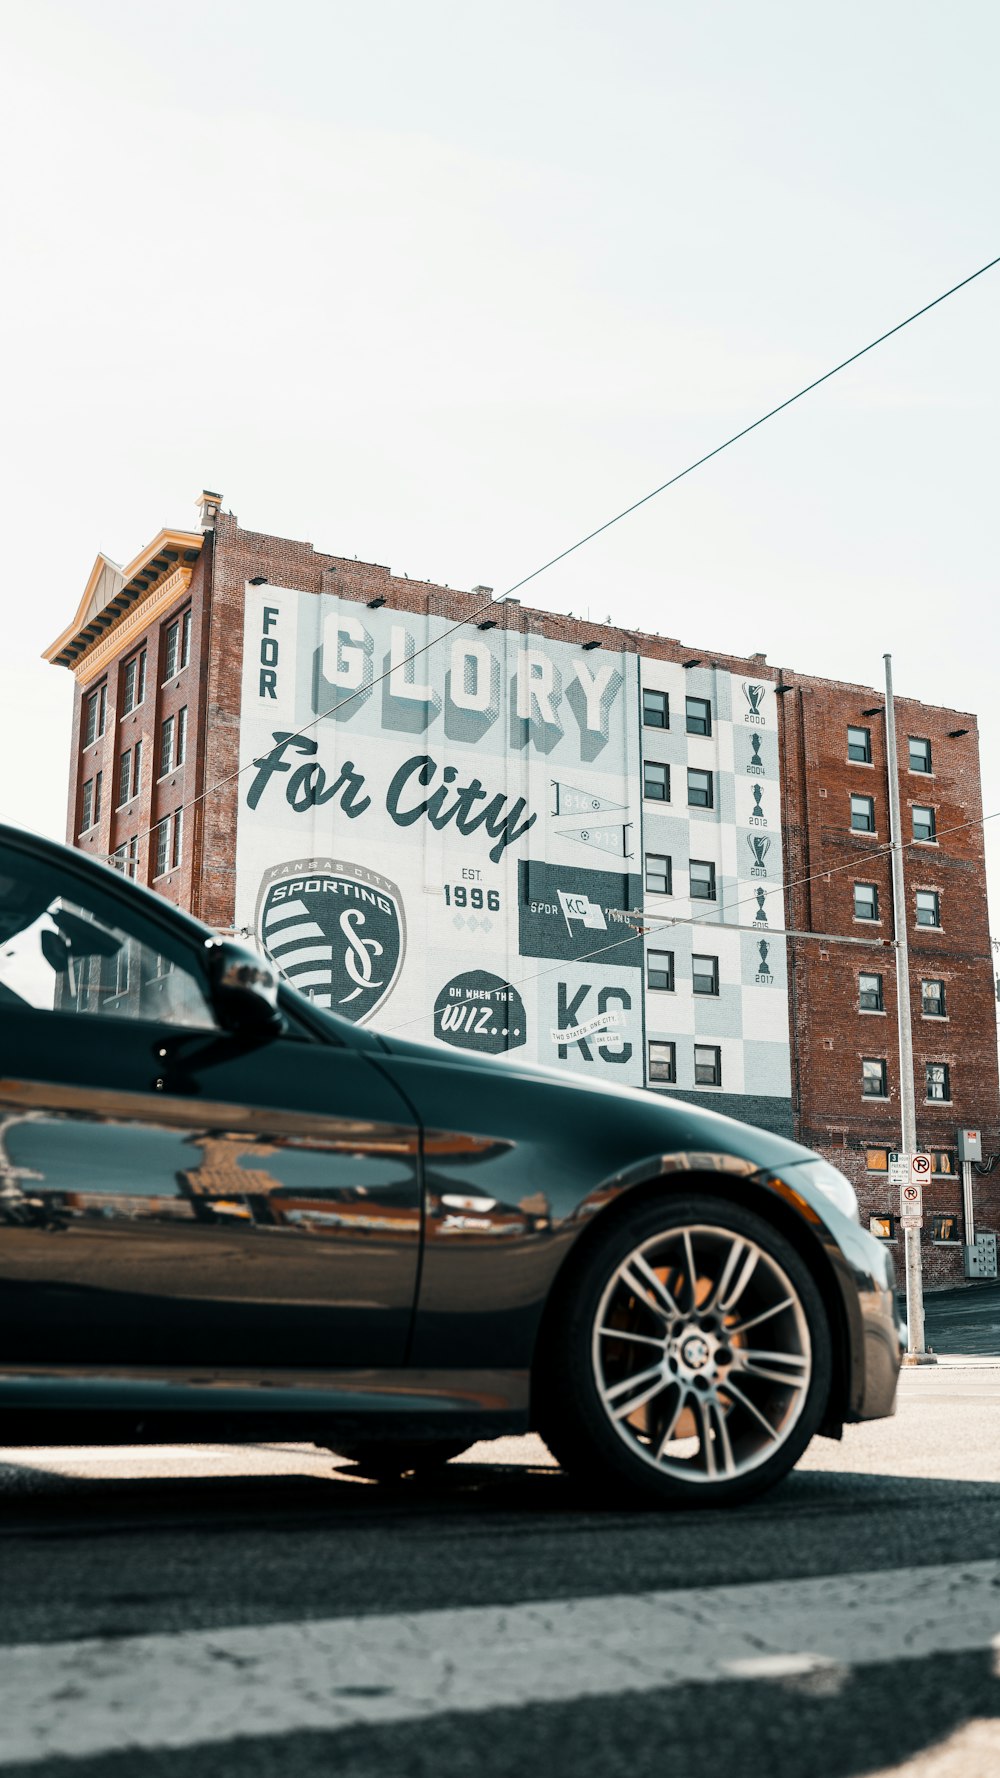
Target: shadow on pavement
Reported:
point(172, 1554)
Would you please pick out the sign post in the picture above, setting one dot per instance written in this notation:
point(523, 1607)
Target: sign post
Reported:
point(916, 1352)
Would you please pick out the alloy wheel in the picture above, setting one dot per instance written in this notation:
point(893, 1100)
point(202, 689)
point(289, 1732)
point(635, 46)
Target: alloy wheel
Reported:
point(701, 1353)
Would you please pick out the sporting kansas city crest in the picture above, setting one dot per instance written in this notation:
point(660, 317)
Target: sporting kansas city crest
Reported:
point(337, 931)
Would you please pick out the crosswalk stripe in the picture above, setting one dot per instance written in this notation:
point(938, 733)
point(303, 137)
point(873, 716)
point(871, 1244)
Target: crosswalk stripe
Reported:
point(196, 1687)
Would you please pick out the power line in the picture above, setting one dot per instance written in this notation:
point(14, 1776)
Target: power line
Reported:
point(705, 920)
point(825, 378)
point(625, 513)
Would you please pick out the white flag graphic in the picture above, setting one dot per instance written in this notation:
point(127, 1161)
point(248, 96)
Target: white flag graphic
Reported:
point(579, 907)
point(610, 836)
point(570, 801)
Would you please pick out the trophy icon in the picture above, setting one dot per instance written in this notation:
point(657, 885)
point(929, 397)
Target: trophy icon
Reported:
point(763, 972)
point(760, 918)
point(754, 695)
point(760, 846)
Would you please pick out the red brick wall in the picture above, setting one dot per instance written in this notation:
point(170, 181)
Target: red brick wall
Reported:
point(831, 1035)
point(155, 799)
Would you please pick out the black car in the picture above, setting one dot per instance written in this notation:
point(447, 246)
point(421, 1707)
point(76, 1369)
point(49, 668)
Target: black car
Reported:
point(227, 1214)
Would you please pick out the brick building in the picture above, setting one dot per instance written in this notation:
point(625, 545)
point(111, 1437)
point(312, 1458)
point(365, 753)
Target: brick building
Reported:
point(665, 825)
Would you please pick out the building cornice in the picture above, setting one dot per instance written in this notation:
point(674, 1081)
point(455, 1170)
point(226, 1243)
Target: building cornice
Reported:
point(146, 576)
point(116, 642)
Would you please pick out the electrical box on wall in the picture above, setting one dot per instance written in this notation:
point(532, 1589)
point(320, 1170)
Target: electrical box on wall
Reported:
point(970, 1145)
point(981, 1257)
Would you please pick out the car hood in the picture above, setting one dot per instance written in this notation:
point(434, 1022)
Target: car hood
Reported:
point(654, 1122)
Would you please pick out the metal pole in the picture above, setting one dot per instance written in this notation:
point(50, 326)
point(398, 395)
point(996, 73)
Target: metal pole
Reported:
point(968, 1210)
point(916, 1351)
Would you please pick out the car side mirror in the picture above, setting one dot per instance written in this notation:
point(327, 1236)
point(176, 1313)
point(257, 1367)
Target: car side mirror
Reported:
point(244, 988)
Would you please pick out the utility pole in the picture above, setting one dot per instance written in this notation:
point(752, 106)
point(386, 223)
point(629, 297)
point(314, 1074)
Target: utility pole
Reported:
point(916, 1352)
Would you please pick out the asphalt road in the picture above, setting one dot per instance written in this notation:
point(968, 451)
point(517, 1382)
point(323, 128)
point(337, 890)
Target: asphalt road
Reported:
point(262, 1610)
point(965, 1320)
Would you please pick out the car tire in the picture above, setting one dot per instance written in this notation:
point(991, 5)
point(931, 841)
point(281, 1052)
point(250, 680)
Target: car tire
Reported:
point(652, 1387)
point(387, 1460)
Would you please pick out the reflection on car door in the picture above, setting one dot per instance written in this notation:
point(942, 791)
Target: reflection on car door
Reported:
point(171, 1194)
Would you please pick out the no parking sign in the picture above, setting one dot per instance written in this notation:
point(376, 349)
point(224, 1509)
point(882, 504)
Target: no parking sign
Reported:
point(911, 1192)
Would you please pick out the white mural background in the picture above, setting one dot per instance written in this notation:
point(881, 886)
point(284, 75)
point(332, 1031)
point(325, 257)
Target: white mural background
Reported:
point(456, 852)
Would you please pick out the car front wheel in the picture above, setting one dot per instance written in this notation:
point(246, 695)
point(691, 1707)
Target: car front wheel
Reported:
point(691, 1362)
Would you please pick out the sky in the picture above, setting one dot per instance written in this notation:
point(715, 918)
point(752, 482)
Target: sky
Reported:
point(445, 286)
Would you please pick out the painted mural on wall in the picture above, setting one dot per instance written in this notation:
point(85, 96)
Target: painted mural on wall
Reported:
point(461, 852)
point(451, 854)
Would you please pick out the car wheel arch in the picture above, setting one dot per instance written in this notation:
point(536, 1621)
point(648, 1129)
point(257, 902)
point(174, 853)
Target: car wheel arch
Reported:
point(718, 1176)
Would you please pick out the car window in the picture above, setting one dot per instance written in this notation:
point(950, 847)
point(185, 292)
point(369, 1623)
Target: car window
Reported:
point(67, 946)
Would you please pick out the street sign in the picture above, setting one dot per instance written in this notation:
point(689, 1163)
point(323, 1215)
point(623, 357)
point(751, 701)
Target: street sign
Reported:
point(911, 1222)
point(920, 1168)
point(899, 1168)
point(911, 1199)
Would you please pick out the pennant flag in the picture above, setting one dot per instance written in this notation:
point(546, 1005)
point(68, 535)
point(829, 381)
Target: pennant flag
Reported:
point(580, 802)
point(610, 837)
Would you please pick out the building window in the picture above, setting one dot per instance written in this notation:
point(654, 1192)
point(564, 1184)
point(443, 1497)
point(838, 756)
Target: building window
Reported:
point(700, 793)
point(166, 746)
point(877, 1160)
point(707, 1065)
point(87, 806)
point(96, 715)
point(129, 773)
point(865, 901)
point(134, 682)
point(185, 638)
point(939, 1081)
point(175, 852)
point(870, 993)
point(125, 776)
point(126, 858)
point(659, 874)
point(928, 907)
point(705, 975)
point(859, 746)
point(924, 824)
point(920, 754)
point(656, 782)
point(932, 1000)
point(171, 651)
point(162, 848)
point(660, 971)
point(702, 875)
point(698, 714)
point(662, 1060)
point(942, 1161)
point(98, 785)
point(945, 1230)
point(882, 1227)
point(873, 1078)
point(863, 814)
point(180, 747)
point(655, 709)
